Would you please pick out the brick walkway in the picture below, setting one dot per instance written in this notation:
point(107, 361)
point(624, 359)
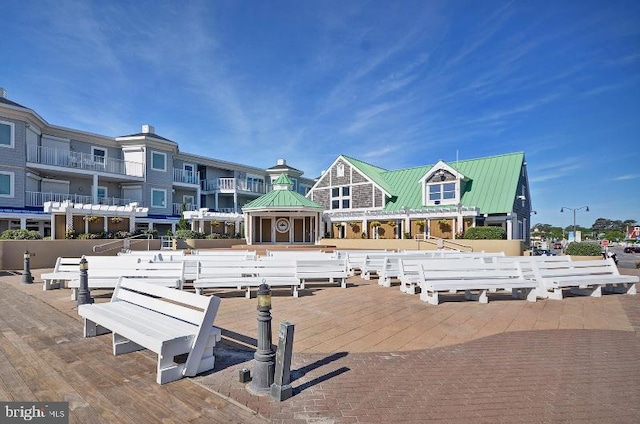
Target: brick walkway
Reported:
point(368, 354)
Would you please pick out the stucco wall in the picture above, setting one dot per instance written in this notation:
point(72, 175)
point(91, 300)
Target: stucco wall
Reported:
point(509, 247)
point(47, 251)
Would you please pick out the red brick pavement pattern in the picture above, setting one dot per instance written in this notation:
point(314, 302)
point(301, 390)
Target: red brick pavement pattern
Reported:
point(529, 376)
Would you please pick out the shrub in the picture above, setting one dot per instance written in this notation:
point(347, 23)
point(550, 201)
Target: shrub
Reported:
point(21, 235)
point(638, 265)
point(407, 235)
point(583, 249)
point(485, 233)
point(122, 234)
point(187, 234)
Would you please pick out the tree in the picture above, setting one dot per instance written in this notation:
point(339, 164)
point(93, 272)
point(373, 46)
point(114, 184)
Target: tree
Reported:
point(182, 223)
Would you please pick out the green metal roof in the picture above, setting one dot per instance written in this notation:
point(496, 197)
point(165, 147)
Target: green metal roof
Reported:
point(280, 199)
point(283, 179)
point(374, 173)
point(491, 186)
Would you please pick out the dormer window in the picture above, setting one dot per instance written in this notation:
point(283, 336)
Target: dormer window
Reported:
point(441, 185)
point(442, 192)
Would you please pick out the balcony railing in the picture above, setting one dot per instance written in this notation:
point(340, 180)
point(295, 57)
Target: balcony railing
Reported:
point(84, 161)
point(230, 185)
point(38, 198)
point(177, 208)
point(183, 176)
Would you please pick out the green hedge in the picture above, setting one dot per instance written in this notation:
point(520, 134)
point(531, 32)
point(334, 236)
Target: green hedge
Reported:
point(21, 235)
point(187, 234)
point(485, 233)
point(583, 249)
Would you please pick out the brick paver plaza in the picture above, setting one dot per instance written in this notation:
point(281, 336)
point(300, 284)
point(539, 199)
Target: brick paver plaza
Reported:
point(365, 354)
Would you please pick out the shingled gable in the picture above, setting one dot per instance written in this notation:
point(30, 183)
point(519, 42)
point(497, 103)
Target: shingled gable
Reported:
point(444, 167)
point(370, 172)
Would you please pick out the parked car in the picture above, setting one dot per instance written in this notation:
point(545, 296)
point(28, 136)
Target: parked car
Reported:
point(557, 245)
point(632, 249)
point(543, 252)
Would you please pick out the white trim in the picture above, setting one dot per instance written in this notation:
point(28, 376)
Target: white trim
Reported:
point(12, 182)
point(12, 135)
point(155, 152)
point(164, 191)
point(193, 166)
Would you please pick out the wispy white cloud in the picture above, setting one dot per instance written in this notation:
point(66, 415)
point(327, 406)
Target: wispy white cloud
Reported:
point(626, 177)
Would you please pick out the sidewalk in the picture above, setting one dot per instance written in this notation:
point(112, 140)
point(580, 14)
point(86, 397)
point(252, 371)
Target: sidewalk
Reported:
point(369, 354)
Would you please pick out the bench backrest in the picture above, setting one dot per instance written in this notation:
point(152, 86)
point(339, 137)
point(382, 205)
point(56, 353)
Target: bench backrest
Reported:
point(543, 270)
point(468, 269)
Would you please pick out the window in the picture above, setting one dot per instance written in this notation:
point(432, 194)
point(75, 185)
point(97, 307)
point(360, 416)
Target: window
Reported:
point(341, 197)
point(158, 198)
point(442, 192)
point(98, 154)
point(340, 170)
point(158, 161)
point(255, 184)
point(6, 134)
point(6, 184)
point(102, 194)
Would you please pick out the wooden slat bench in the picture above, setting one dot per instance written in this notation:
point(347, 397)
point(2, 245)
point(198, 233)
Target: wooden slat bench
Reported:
point(166, 321)
point(331, 270)
point(409, 269)
point(68, 268)
point(582, 277)
point(169, 274)
point(475, 278)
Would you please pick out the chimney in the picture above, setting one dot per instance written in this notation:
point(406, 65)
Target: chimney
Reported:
point(282, 162)
point(148, 129)
point(3, 93)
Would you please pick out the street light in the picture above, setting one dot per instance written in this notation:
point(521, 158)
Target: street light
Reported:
point(586, 209)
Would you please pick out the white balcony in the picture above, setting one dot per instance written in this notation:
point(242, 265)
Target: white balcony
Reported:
point(177, 208)
point(233, 185)
point(38, 198)
point(83, 161)
point(186, 177)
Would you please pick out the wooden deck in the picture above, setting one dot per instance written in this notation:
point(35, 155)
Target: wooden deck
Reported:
point(43, 357)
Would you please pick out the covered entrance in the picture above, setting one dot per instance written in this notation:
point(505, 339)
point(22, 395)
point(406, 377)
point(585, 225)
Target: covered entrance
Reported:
point(282, 216)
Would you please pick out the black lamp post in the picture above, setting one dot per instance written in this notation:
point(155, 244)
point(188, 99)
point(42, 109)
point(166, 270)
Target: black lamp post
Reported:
point(586, 208)
point(84, 296)
point(264, 358)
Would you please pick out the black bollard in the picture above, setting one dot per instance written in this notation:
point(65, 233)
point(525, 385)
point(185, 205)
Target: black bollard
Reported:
point(264, 358)
point(27, 278)
point(84, 296)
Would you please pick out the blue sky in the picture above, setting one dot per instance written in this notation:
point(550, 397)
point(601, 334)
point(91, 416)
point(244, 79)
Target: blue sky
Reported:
point(394, 83)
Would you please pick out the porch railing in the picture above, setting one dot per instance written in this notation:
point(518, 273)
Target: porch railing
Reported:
point(227, 184)
point(184, 176)
point(76, 160)
point(177, 208)
point(38, 198)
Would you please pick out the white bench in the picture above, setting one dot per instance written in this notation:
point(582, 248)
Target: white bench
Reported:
point(250, 274)
point(331, 270)
point(582, 277)
point(409, 269)
point(355, 258)
point(68, 268)
point(145, 315)
point(169, 274)
point(473, 277)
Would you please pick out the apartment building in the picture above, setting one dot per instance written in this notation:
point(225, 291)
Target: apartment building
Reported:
point(54, 178)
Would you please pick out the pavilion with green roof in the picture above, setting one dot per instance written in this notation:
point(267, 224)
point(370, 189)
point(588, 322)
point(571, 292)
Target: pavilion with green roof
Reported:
point(440, 200)
point(282, 216)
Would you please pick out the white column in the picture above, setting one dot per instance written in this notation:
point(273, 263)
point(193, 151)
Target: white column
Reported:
point(94, 190)
point(216, 201)
point(53, 226)
point(509, 228)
